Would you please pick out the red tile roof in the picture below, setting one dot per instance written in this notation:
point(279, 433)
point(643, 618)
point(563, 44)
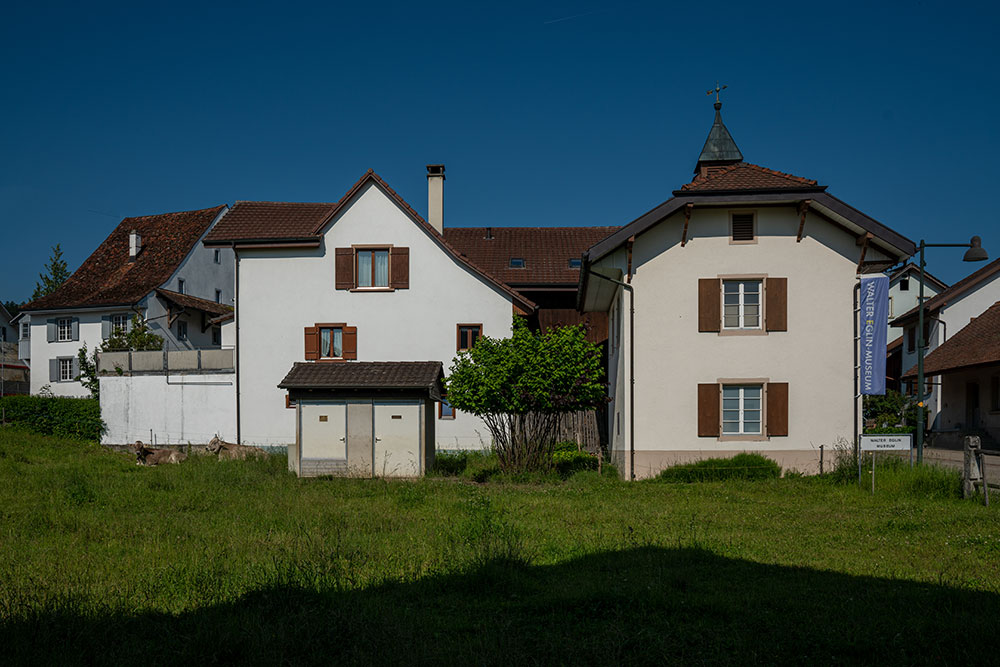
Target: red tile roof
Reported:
point(263, 221)
point(959, 288)
point(746, 176)
point(978, 343)
point(546, 251)
point(108, 278)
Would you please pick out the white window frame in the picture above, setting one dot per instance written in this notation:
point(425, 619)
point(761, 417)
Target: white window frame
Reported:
point(180, 286)
point(742, 410)
point(25, 330)
point(64, 329)
point(65, 369)
point(742, 304)
point(218, 296)
point(122, 325)
point(182, 330)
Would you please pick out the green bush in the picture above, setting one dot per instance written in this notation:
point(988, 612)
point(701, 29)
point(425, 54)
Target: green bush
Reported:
point(78, 418)
point(569, 462)
point(742, 466)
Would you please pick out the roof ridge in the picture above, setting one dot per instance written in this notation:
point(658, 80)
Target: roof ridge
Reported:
point(810, 181)
point(160, 215)
point(294, 203)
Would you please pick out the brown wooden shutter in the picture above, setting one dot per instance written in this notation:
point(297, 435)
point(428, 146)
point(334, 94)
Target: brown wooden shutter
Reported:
point(709, 304)
point(344, 269)
point(399, 268)
point(312, 343)
point(777, 408)
point(350, 343)
point(776, 304)
point(709, 417)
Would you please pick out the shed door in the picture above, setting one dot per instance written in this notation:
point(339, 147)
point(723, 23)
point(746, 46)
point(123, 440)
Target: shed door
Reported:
point(397, 439)
point(324, 430)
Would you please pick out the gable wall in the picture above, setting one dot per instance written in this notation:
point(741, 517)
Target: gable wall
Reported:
point(284, 291)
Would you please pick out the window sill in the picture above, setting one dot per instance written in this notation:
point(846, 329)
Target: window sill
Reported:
point(331, 360)
point(372, 289)
point(743, 332)
point(743, 438)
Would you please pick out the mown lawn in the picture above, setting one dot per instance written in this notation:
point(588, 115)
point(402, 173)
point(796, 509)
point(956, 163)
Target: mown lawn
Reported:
point(104, 562)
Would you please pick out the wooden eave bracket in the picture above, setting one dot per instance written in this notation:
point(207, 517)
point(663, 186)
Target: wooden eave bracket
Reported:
point(687, 221)
point(863, 242)
point(172, 315)
point(205, 321)
point(803, 209)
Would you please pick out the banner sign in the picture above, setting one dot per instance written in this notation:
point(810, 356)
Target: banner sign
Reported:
point(874, 327)
point(886, 443)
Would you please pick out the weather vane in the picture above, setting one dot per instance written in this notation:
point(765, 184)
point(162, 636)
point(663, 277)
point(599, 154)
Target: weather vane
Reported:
point(718, 89)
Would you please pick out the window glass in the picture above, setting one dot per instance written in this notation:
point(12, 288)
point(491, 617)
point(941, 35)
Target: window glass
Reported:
point(65, 329)
point(180, 285)
point(182, 330)
point(364, 268)
point(65, 370)
point(217, 256)
point(517, 263)
point(741, 304)
point(119, 323)
point(216, 336)
point(467, 336)
point(446, 411)
point(331, 342)
point(25, 330)
point(574, 263)
point(218, 296)
point(381, 272)
point(741, 409)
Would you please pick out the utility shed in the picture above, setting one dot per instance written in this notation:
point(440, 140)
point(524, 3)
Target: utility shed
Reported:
point(363, 419)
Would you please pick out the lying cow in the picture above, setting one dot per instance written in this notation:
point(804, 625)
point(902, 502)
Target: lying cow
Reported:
point(147, 456)
point(231, 451)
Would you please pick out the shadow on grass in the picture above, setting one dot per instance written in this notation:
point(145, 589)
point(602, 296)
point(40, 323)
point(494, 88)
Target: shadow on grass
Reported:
point(643, 605)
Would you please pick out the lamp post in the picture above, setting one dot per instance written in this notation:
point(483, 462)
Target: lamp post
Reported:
point(975, 253)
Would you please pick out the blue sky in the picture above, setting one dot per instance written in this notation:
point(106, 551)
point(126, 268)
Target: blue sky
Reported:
point(562, 113)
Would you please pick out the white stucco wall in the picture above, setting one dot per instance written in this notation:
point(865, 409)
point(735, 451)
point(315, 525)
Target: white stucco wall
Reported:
point(284, 291)
point(177, 408)
point(901, 302)
point(815, 356)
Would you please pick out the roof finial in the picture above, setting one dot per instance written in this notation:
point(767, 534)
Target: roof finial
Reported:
point(718, 89)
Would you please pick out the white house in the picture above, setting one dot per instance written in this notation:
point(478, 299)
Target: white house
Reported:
point(944, 315)
point(364, 279)
point(154, 266)
point(904, 286)
point(732, 316)
point(8, 330)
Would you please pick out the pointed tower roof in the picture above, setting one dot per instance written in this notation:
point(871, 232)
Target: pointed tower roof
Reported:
point(719, 149)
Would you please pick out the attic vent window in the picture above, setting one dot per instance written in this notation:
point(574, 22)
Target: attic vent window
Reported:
point(743, 227)
point(517, 263)
point(574, 262)
point(904, 285)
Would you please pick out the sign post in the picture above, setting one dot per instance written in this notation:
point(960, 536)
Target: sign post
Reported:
point(898, 442)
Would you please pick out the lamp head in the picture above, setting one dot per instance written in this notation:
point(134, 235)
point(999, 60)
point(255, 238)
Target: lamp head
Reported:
point(975, 253)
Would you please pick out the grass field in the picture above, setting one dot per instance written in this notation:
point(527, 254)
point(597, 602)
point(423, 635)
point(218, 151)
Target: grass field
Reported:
point(104, 562)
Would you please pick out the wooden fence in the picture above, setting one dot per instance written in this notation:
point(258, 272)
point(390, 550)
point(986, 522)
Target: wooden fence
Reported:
point(588, 428)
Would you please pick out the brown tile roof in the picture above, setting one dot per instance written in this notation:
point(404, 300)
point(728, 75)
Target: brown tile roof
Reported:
point(194, 302)
point(250, 222)
point(746, 176)
point(108, 278)
point(976, 344)
point(366, 375)
point(959, 288)
point(546, 251)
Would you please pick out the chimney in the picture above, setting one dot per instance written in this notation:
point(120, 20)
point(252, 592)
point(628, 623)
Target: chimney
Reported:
point(134, 245)
point(489, 233)
point(435, 196)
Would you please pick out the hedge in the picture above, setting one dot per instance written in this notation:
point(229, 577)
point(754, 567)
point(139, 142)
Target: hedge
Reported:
point(48, 415)
point(742, 466)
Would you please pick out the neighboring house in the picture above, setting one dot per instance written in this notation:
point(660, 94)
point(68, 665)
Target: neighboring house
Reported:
point(14, 372)
point(732, 316)
point(968, 368)
point(944, 315)
point(367, 279)
point(904, 286)
point(153, 265)
point(8, 330)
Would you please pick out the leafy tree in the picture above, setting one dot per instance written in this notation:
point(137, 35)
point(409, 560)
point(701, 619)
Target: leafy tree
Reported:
point(56, 273)
point(522, 385)
point(137, 338)
point(13, 307)
point(886, 413)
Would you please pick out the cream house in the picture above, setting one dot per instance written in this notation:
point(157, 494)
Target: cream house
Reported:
point(731, 316)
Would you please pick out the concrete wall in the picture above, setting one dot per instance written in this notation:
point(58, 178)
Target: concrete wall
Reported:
point(179, 408)
point(284, 291)
point(815, 356)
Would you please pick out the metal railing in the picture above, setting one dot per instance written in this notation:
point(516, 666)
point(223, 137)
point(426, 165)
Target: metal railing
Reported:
point(166, 361)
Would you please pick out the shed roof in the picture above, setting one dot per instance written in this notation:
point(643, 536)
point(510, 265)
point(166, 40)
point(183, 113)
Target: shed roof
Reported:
point(976, 344)
point(374, 375)
point(967, 283)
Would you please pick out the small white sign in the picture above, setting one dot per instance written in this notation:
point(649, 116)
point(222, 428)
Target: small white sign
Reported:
point(886, 443)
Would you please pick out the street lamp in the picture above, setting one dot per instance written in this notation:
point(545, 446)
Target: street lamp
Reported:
point(975, 253)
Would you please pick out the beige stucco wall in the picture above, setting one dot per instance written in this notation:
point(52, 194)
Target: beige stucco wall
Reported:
point(815, 356)
point(953, 415)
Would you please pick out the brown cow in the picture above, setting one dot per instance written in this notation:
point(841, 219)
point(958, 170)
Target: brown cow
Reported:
point(147, 456)
point(231, 451)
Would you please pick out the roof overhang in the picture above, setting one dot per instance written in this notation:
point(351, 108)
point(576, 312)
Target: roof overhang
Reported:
point(299, 242)
point(596, 291)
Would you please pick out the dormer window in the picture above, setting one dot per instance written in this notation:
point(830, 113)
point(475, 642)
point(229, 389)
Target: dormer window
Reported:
point(517, 263)
point(743, 228)
point(575, 262)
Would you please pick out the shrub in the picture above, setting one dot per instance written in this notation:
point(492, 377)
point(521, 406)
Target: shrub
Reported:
point(78, 418)
point(742, 466)
point(569, 462)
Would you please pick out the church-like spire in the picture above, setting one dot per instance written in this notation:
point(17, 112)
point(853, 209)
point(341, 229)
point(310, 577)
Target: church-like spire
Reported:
point(719, 149)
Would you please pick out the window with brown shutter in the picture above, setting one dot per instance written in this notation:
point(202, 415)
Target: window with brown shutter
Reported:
point(777, 408)
point(312, 344)
point(344, 269)
point(350, 342)
point(709, 304)
point(776, 304)
point(709, 417)
point(331, 342)
point(742, 228)
point(399, 268)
